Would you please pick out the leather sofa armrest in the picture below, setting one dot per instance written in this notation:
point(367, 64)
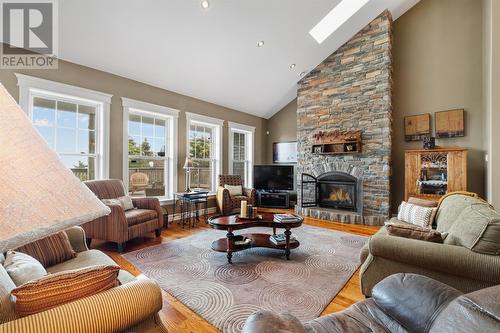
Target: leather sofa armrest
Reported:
point(222, 196)
point(76, 237)
point(114, 310)
point(450, 259)
point(269, 322)
point(414, 301)
point(251, 194)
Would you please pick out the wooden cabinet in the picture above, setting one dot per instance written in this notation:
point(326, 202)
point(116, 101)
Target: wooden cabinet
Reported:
point(431, 174)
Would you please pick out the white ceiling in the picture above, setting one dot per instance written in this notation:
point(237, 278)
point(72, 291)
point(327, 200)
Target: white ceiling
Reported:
point(209, 54)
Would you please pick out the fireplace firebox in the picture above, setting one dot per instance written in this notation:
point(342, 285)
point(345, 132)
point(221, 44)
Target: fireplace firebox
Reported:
point(336, 190)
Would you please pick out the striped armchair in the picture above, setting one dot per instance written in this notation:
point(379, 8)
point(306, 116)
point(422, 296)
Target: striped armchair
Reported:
point(228, 203)
point(121, 226)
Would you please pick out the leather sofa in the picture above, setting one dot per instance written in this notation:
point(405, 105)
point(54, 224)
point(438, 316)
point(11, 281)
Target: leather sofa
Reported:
point(401, 303)
point(468, 260)
point(131, 307)
point(121, 226)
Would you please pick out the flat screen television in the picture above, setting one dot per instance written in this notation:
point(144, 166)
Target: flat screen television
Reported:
point(273, 177)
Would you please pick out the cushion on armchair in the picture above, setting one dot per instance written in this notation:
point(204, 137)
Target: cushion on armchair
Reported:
point(22, 267)
point(234, 190)
point(137, 216)
point(60, 288)
point(51, 250)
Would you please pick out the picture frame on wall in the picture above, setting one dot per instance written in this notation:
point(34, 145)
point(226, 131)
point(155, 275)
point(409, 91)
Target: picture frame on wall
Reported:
point(450, 123)
point(285, 152)
point(417, 127)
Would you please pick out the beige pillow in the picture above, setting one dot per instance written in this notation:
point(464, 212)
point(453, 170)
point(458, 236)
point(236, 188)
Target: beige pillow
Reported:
point(50, 250)
point(234, 190)
point(126, 202)
point(64, 287)
point(112, 202)
point(23, 268)
point(7, 312)
point(422, 202)
point(417, 215)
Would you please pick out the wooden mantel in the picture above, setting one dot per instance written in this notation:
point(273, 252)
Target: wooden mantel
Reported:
point(337, 142)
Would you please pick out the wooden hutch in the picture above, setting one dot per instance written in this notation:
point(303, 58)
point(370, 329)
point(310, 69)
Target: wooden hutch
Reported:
point(431, 173)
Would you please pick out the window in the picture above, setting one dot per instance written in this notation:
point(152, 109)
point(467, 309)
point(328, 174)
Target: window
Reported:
point(204, 149)
point(72, 120)
point(241, 152)
point(150, 132)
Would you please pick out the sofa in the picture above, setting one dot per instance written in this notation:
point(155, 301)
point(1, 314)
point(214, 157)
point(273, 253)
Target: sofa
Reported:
point(131, 307)
point(122, 225)
point(227, 203)
point(468, 260)
point(401, 303)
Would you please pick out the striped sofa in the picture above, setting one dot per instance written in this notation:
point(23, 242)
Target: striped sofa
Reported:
point(131, 307)
point(121, 226)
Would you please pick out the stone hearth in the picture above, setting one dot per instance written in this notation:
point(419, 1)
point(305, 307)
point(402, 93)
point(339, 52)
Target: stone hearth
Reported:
point(351, 91)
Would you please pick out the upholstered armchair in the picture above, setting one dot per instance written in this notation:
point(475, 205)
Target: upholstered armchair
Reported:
point(228, 203)
point(122, 225)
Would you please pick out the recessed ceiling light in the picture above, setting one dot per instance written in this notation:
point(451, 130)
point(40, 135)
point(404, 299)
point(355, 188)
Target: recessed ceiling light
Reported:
point(336, 18)
point(205, 4)
point(260, 44)
point(292, 66)
point(303, 73)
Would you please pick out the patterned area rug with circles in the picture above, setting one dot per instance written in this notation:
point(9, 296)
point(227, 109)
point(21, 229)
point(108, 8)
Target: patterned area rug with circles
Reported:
point(259, 278)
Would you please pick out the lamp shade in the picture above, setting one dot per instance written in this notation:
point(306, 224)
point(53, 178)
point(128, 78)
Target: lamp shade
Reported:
point(39, 196)
point(188, 163)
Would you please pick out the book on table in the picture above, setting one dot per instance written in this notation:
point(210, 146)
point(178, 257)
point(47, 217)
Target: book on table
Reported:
point(285, 218)
point(280, 239)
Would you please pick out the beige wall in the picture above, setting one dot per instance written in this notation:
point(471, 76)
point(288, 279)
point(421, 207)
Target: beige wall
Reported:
point(438, 66)
point(282, 127)
point(85, 77)
point(491, 97)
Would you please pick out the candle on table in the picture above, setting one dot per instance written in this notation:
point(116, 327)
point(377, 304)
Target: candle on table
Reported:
point(243, 208)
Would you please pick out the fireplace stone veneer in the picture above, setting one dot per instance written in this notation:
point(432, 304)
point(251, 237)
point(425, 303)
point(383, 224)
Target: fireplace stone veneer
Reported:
point(351, 91)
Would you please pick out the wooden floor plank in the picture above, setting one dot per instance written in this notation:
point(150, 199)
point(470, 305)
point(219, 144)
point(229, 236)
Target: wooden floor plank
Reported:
point(180, 319)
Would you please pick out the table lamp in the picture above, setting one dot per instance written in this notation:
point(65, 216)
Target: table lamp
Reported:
point(39, 196)
point(188, 164)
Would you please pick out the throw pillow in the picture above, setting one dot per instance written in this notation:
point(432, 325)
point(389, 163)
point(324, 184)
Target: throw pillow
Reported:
point(114, 202)
point(478, 229)
point(51, 250)
point(7, 311)
point(63, 287)
point(421, 216)
point(22, 267)
point(414, 232)
point(234, 190)
point(422, 202)
point(126, 202)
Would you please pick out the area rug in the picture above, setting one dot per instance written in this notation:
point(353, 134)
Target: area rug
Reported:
point(226, 294)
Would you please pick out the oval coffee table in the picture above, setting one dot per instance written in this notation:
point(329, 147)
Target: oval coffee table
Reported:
point(232, 222)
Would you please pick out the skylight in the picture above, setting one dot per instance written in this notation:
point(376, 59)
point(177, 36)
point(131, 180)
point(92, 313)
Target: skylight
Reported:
point(336, 18)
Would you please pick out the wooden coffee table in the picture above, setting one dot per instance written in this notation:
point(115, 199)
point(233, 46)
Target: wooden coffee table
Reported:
point(232, 223)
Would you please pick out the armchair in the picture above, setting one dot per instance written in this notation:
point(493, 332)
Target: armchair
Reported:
point(227, 203)
point(121, 226)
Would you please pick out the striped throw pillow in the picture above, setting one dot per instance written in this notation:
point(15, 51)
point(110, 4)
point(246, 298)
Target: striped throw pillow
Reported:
point(64, 287)
point(51, 250)
point(418, 215)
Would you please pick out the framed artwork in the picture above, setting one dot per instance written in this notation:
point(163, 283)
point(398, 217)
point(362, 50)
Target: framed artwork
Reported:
point(417, 127)
point(450, 124)
point(285, 152)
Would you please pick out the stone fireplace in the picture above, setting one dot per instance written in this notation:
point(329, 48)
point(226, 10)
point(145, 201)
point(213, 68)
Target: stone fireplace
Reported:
point(339, 190)
point(349, 91)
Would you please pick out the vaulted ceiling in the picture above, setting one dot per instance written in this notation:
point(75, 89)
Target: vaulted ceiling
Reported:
point(210, 54)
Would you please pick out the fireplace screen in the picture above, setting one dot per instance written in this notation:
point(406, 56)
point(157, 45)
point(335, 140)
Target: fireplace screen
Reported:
point(337, 195)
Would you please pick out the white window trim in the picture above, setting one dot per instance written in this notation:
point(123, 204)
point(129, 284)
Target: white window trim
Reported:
point(132, 104)
point(246, 129)
point(30, 84)
point(217, 124)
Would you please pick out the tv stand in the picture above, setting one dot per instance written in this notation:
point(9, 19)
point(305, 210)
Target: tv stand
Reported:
point(273, 199)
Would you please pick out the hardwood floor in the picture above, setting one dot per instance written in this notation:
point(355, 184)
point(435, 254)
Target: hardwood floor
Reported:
point(180, 319)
